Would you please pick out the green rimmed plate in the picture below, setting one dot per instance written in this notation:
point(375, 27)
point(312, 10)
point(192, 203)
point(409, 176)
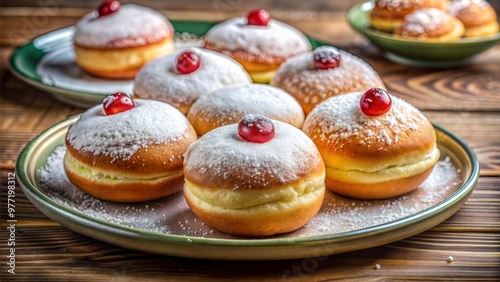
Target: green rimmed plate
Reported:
point(415, 52)
point(167, 226)
point(47, 63)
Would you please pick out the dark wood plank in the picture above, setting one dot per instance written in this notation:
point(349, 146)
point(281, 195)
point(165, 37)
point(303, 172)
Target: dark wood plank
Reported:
point(470, 88)
point(65, 254)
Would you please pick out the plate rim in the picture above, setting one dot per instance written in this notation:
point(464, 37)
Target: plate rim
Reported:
point(37, 197)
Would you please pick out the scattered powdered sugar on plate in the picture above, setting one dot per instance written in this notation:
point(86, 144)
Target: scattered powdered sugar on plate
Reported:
point(341, 214)
point(171, 215)
point(56, 185)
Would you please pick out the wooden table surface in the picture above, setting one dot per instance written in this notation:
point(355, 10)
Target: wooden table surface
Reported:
point(464, 100)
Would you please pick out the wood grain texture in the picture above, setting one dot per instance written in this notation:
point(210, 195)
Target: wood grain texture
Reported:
point(465, 101)
point(423, 257)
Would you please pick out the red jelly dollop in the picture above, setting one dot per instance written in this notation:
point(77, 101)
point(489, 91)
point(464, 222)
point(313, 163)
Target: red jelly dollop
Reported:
point(375, 102)
point(258, 17)
point(256, 128)
point(187, 62)
point(326, 58)
point(108, 7)
point(117, 103)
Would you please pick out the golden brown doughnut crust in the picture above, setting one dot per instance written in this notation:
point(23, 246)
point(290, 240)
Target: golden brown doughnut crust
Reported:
point(155, 160)
point(310, 87)
point(238, 175)
point(122, 157)
point(126, 191)
point(387, 15)
point(229, 104)
point(357, 152)
point(372, 157)
point(250, 61)
point(473, 13)
point(266, 220)
point(398, 9)
point(122, 74)
point(120, 63)
point(254, 189)
point(448, 28)
point(478, 17)
point(150, 173)
point(381, 190)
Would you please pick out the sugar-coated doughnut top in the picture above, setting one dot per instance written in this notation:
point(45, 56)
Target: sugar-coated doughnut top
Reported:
point(298, 76)
point(472, 12)
point(233, 102)
point(458, 6)
point(223, 159)
point(276, 39)
point(120, 135)
point(159, 79)
point(425, 20)
point(131, 25)
point(341, 118)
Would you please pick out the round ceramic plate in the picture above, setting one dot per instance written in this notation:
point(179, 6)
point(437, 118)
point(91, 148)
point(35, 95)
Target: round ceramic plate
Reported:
point(167, 226)
point(48, 63)
point(415, 52)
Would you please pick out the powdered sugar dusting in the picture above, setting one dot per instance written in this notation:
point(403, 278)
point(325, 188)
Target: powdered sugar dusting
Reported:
point(121, 135)
point(424, 20)
point(340, 214)
point(221, 154)
point(298, 77)
point(457, 7)
point(276, 39)
point(131, 25)
point(340, 118)
point(158, 79)
point(171, 215)
point(229, 104)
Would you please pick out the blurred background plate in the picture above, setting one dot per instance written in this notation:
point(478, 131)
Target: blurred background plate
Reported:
point(414, 52)
point(47, 63)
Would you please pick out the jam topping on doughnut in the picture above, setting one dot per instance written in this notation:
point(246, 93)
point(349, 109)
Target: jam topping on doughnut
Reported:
point(129, 26)
point(108, 7)
point(375, 102)
point(117, 103)
point(120, 136)
point(326, 58)
point(258, 17)
point(256, 128)
point(187, 62)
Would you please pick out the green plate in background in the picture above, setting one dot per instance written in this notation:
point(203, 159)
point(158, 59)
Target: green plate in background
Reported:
point(414, 52)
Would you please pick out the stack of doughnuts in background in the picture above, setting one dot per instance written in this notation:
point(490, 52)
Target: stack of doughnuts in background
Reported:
point(435, 20)
point(255, 159)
